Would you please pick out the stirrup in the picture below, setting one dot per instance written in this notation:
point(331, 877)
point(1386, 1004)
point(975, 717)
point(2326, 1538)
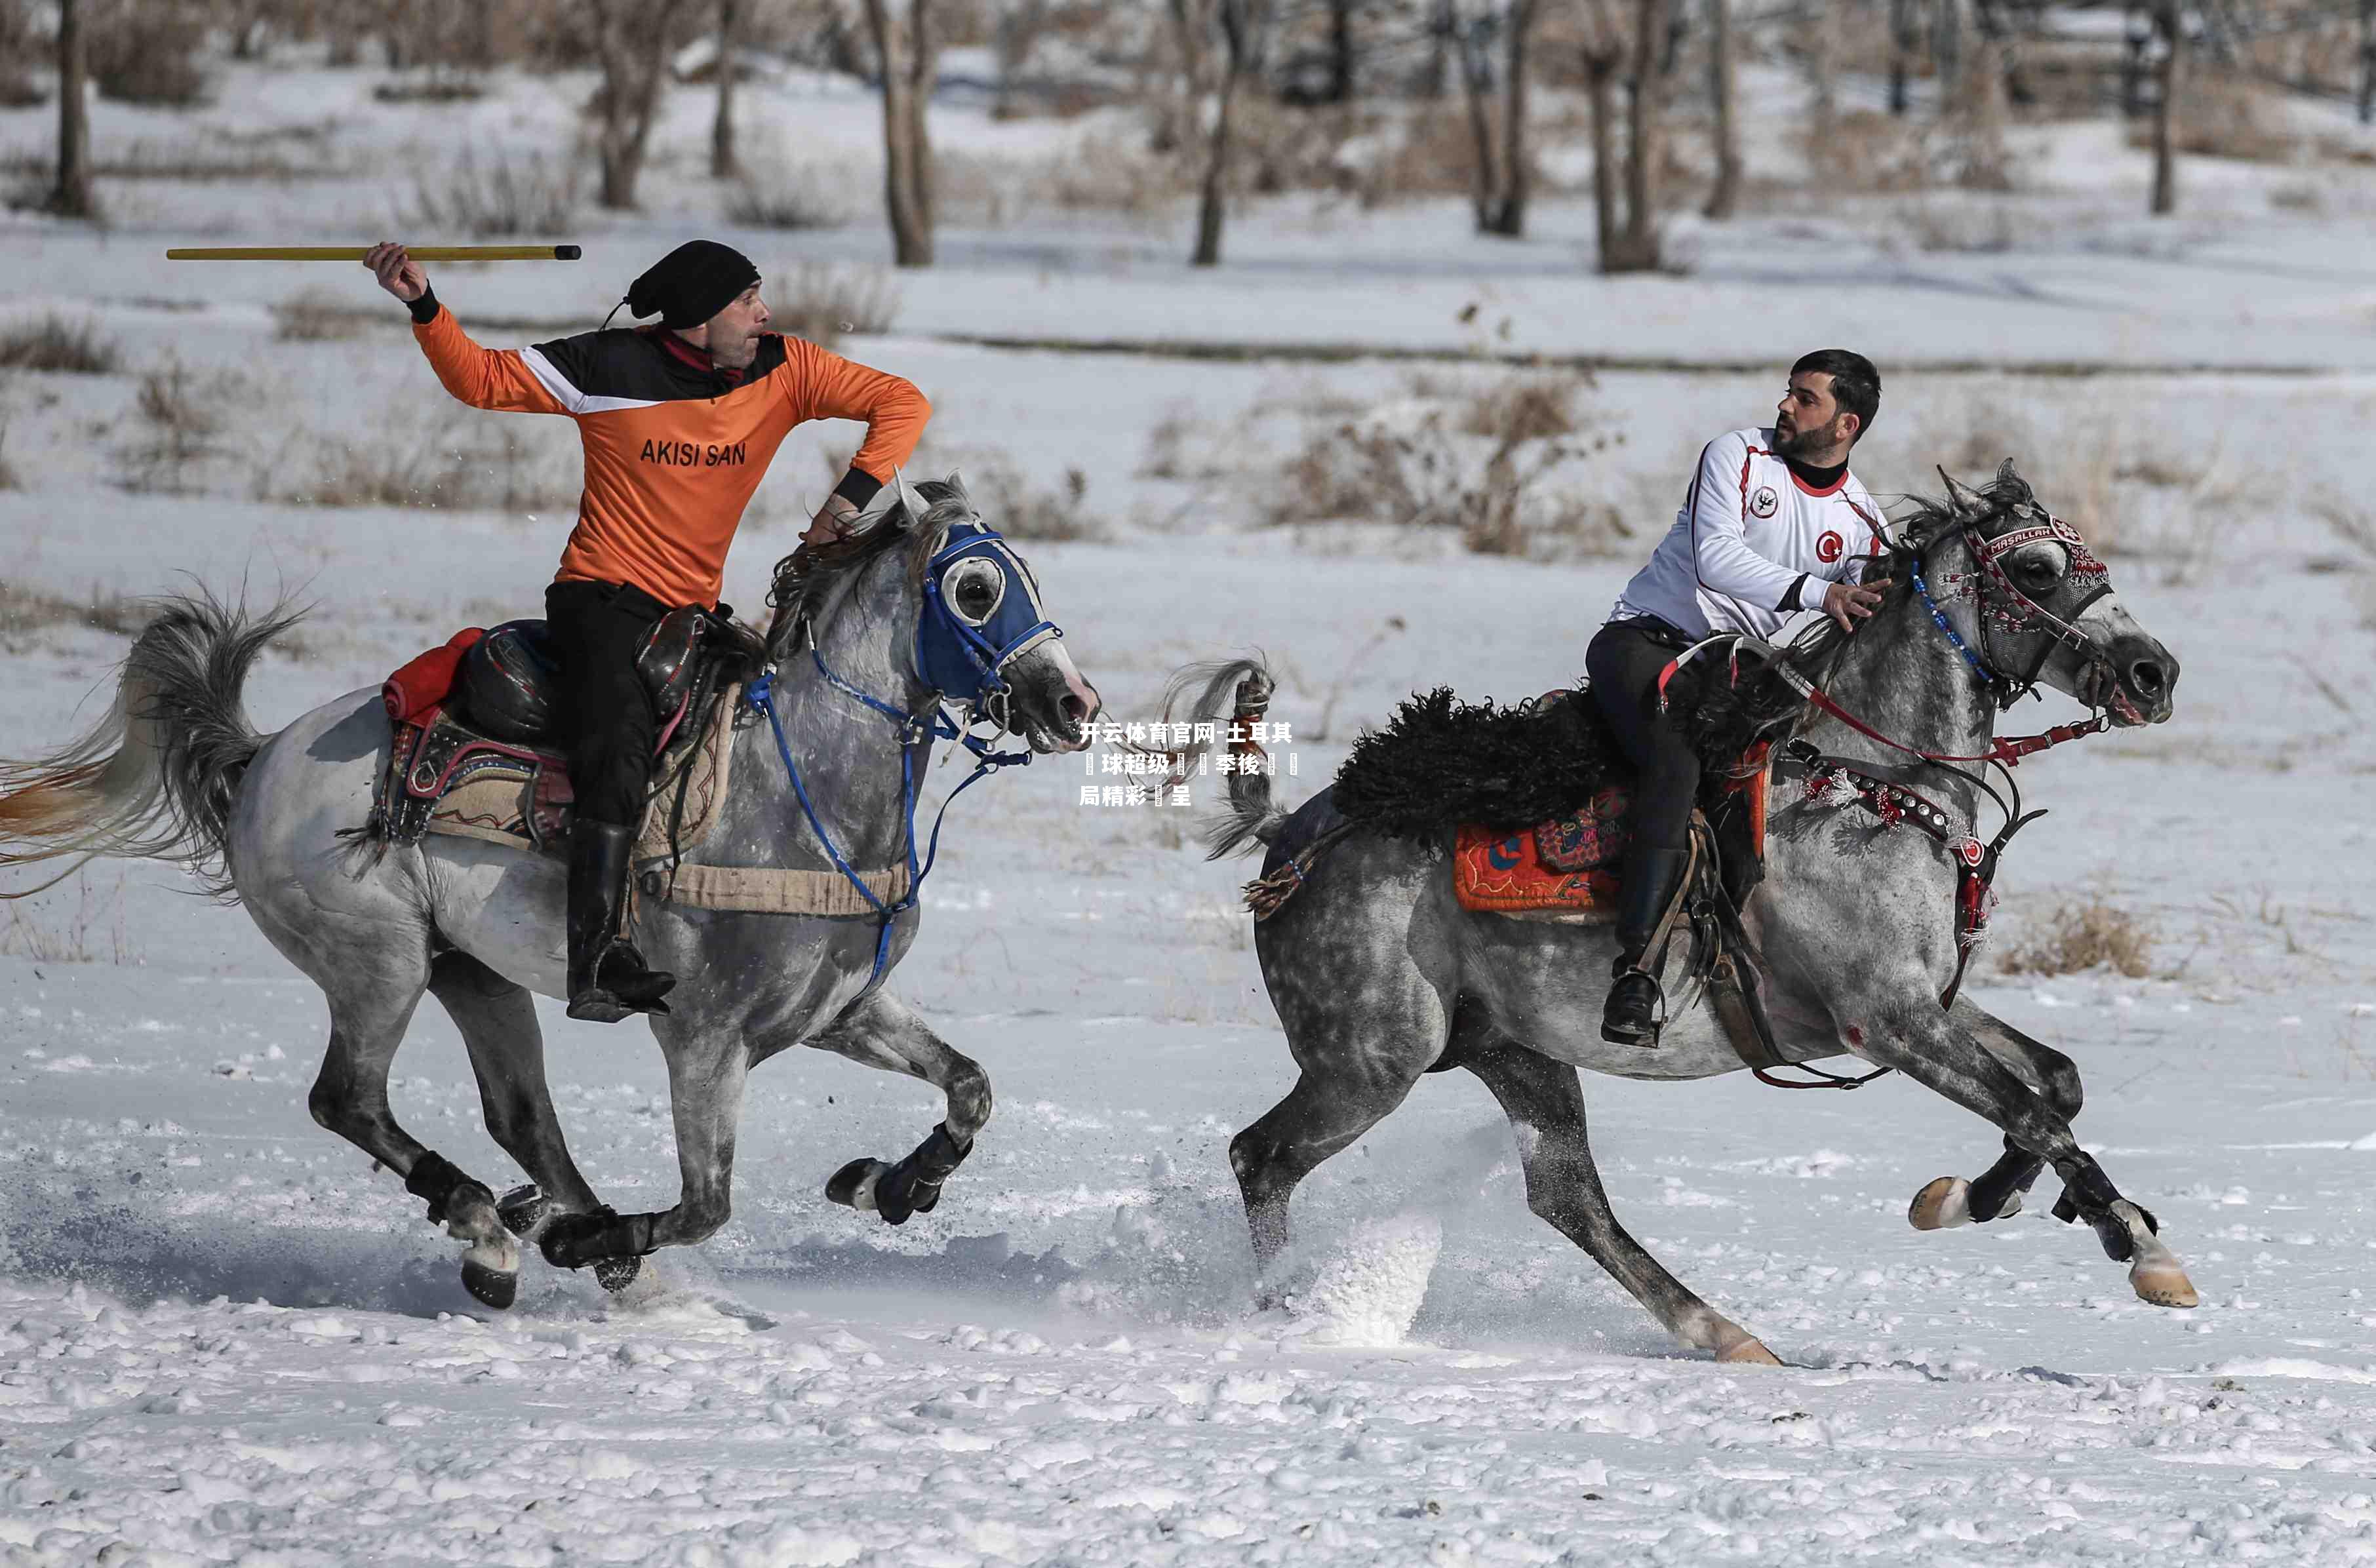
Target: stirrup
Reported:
point(1648, 1038)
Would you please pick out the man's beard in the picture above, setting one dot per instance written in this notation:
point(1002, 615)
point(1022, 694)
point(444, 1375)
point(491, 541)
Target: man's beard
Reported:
point(1803, 444)
point(737, 356)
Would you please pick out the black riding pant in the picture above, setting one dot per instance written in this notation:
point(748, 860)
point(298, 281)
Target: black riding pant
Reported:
point(598, 630)
point(1624, 662)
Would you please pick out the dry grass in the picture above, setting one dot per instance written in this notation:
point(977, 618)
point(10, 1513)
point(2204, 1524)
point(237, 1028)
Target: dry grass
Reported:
point(802, 196)
point(1011, 503)
point(53, 342)
point(147, 53)
point(92, 933)
point(438, 85)
point(456, 466)
point(530, 196)
point(315, 316)
point(181, 416)
point(25, 610)
point(2084, 936)
point(2219, 116)
point(1963, 228)
point(820, 301)
point(1497, 461)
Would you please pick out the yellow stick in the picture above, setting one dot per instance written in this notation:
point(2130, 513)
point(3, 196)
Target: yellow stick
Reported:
point(355, 253)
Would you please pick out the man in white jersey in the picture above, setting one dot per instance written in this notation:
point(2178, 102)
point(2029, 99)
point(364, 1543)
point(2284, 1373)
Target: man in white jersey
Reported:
point(1774, 524)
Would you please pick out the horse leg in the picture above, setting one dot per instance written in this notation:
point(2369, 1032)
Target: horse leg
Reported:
point(1544, 1104)
point(368, 1016)
point(706, 1103)
point(1898, 1028)
point(1325, 1113)
point(1997, 1193)
point(883, 1031)
point(497, 1019)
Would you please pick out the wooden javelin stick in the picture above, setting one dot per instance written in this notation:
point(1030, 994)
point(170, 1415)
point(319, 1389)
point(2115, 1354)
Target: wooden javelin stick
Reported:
point(356, 253)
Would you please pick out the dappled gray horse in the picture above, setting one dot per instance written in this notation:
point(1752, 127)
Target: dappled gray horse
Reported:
point(867, 644)
point(1379, 975)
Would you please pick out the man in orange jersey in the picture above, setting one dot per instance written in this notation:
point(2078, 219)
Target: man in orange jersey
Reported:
point(679, 422)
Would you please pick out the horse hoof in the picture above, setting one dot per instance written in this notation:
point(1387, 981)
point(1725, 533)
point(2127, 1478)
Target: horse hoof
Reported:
point(615, 1275)
point(1942, 1205)
point(2159, 1279)
point(1748, 1352)
point(492, 1287)
point(523, 1209)
point(853, 1185)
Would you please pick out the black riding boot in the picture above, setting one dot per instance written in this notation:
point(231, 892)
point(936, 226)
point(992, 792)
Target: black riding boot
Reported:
point(607, 979)
point(1652, 876)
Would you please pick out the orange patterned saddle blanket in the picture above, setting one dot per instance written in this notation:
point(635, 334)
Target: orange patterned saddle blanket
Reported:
point(1569, 865)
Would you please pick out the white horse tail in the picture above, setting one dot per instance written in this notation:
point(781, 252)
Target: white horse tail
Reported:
point(156, 777)
point(1246, 685)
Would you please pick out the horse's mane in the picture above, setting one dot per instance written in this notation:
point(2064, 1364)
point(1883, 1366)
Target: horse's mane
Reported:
point(805, 583)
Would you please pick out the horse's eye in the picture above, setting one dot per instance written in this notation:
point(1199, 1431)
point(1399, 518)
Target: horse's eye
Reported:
point(973, 588)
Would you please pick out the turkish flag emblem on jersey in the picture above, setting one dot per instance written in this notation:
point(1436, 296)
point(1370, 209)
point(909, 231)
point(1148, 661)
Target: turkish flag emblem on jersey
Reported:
point(1828, 548)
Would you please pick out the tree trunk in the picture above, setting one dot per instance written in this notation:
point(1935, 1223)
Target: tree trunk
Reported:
point(631, 41)
point(1821, 75)
point(1638, 242)
point(723, 162)
point(1600, 77)
point(1901, 44)
point(907, 155)
point(71, 197)
point(1217, 176)
point(1485, 181)
point(2165, 136)
point(2366, 61)
point(1509, 216)
point(1340, 51)
point(1725, 194)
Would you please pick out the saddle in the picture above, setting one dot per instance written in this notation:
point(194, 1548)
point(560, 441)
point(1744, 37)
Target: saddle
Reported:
point(477, 751)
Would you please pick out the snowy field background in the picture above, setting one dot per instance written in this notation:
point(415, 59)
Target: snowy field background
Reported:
point(223, 1339)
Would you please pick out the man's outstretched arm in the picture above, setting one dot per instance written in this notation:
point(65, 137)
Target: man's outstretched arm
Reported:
point(484, 378)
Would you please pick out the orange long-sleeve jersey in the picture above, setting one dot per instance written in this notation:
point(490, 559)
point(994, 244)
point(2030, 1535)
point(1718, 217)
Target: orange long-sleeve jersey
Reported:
point(674, 448)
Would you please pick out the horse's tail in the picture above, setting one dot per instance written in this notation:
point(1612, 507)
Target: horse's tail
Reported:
point(156, 777)
point(1251, 818)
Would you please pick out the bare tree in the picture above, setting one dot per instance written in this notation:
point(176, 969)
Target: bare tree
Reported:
point(2366, 61)
point(1723, 197)
point(2171, 21)
point(631, 41)
point(1499, 169)
point(907, 54)
point(1241, 29)
point(71, 197)
point(723, 162)
point(1635, 247)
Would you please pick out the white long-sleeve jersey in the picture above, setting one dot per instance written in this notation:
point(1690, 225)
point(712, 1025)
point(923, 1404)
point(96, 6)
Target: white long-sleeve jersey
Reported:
point(1748, 532)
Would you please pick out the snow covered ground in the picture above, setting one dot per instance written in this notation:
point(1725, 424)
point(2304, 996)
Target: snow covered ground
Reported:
point(224, 1338)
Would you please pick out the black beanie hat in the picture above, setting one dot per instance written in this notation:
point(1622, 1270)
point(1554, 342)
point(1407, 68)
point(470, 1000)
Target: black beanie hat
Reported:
point(692, 284)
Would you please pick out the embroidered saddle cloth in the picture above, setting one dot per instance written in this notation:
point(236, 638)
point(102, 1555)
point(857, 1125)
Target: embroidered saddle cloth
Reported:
point(1569, 865)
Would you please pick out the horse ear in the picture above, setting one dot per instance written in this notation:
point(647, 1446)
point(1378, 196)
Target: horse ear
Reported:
point(2009, 481)
point(915, 505)
point(957, 490)
point(1960, 496)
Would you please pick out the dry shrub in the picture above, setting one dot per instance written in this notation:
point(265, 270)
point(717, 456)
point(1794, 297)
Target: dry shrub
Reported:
point(1872, 151)
point(1497, 462)
point(181, 414)
point(25, 610)
point(19, 47)
point(820, 301)
point(315, 316)
point(148, 53)
point(439, 85)
point(530, 196)
point(1012, 504)
point(2080, 937)
point(1427, 152)
point(2219, 116)
point(55, 343)
point(801, 196)
point(455, 466)
point(1110, 173)
point(1968, 228)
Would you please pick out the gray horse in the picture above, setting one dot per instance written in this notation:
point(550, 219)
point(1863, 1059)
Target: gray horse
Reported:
point(1378, 976)
point(176, 772)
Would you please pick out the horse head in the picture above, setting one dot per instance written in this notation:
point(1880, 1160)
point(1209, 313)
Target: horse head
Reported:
point(2041, 604)
point(931, 600)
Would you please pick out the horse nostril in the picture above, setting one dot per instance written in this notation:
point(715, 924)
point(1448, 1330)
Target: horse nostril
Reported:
point(2145, 678)
point(1076, 710)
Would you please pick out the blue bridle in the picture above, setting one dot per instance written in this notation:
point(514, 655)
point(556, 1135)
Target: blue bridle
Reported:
point(961, 663)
